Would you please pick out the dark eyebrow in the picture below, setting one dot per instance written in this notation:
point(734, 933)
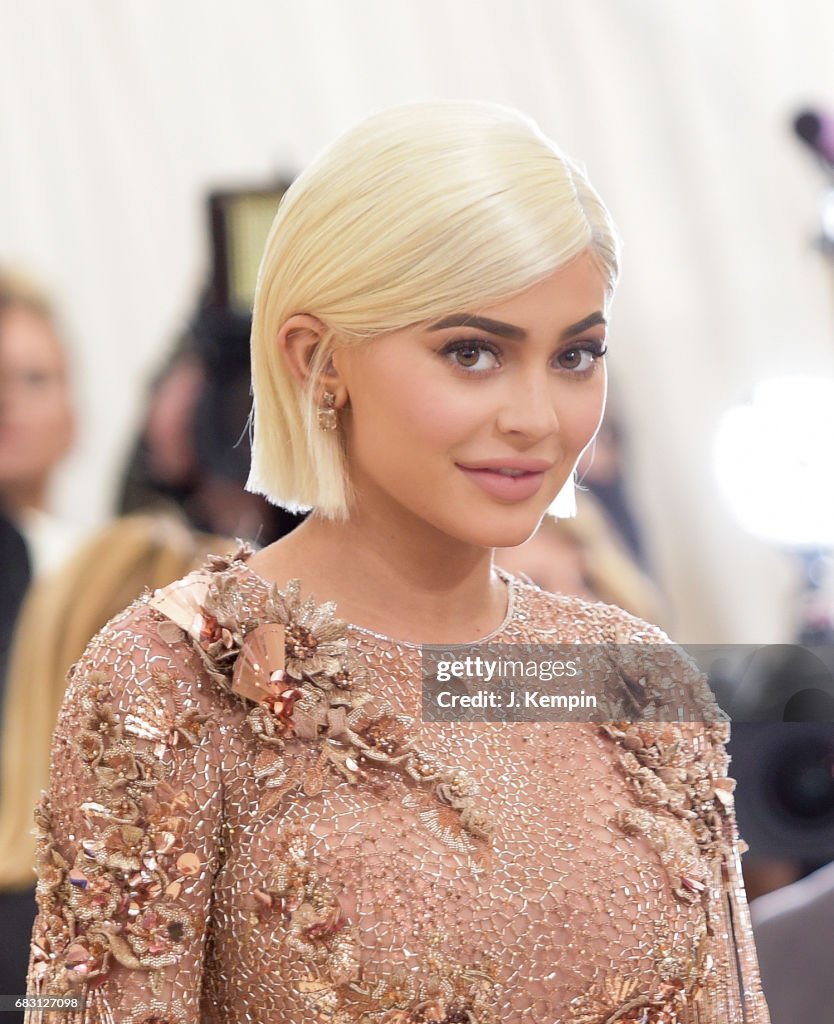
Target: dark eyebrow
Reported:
point(481, 323)
point(583, 325)
point(503, 330)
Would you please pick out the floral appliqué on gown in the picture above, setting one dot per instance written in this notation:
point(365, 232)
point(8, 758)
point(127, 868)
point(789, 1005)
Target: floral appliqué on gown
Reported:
point(249, 821)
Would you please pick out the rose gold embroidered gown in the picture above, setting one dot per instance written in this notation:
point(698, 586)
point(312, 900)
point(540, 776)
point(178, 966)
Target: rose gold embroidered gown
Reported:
point(324, 856)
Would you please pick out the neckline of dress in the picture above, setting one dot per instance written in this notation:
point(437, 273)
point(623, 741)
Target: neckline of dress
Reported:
point(411, 644)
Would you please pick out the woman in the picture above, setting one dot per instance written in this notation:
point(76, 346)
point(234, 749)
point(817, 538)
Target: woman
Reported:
point(248, 820)
point(60, 614)
point(36, 419)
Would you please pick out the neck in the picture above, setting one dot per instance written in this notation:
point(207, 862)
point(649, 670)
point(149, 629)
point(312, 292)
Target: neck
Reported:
point(406, 580)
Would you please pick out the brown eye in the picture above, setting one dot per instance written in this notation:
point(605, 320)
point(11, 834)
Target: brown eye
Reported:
point(473, 356)
point(581, 360)
point(468, 356)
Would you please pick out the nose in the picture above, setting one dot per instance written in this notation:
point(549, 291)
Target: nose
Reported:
point(529, 409)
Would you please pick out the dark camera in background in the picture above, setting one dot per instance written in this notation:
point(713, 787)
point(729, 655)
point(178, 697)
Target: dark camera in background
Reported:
point(194, 450)
point(781, 701)
point(239, 222)
point(785, 793)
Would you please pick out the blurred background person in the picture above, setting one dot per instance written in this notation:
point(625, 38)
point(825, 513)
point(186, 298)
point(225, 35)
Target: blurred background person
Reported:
point(585, 556)
point(601, 470)
point(60, 615)
point(15, 573)
point(36, 419)
point(193, 450)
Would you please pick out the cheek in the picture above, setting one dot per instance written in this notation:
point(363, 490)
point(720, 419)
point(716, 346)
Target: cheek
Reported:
point(418, 413)
point(51, 413)
point(440, 423)
point(581, 415)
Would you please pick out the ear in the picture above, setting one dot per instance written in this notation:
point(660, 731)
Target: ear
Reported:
point(298, 339)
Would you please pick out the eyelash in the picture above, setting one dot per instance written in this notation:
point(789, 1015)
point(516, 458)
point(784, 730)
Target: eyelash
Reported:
point(595, 348)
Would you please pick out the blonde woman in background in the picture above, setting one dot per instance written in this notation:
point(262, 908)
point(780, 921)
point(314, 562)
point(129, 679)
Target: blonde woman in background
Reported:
point(585, 556)
point(59, 617)
point(36, 418)
point(248, 819)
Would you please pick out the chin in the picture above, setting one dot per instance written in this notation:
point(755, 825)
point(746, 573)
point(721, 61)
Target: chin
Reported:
point(502, 535)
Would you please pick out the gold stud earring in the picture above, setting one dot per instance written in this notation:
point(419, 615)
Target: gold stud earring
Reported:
point(327, 412)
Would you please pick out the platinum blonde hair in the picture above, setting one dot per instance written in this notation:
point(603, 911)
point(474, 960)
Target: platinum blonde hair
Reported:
point(417, 212)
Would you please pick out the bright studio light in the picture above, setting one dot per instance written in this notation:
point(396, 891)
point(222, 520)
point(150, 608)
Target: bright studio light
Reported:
point(775, 461)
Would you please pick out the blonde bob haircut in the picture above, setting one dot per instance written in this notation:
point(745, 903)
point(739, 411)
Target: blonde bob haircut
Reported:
point(416, 213)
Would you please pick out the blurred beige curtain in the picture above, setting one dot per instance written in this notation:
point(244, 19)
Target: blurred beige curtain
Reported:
point(116, 114)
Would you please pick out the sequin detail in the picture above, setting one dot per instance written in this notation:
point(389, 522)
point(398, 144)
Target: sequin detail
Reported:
point(113, 895)
point(329, 702)
point(330, 867)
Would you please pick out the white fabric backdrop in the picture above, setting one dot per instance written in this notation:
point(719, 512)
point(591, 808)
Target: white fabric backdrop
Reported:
point(116, 115)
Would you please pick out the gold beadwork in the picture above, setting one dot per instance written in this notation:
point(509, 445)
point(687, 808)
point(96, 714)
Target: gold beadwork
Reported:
point(343, 879)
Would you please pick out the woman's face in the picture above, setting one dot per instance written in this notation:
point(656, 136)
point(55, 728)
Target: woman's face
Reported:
point(473, 424)
point(35, 414)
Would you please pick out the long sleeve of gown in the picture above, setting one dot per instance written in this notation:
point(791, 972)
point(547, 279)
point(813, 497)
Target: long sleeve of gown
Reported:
point(739, 932)
point(129, 834)
point(690, 784)
point(734, 933)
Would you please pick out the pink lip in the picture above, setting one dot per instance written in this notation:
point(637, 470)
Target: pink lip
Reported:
point(528, 465)
point(506, 488)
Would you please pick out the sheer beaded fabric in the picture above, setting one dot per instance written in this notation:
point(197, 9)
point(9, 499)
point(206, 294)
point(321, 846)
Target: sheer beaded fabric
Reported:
point(218, 847)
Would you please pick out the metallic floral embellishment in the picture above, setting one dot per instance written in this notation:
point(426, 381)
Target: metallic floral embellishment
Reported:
point(157, 1012)
point(316, 642)
point(294, 664)
point(665, 775)
point(182, 602)
point(616, 999)
point(259, 674)
point(317, 927)
point(606, 1005)
point(189, 864)
point(678, 850)
point(112, 895)
point(683, 805)
point(441, 990)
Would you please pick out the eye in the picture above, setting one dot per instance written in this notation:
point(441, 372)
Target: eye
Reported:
point(36, 378)
point(471, 355)
point(581, 358)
